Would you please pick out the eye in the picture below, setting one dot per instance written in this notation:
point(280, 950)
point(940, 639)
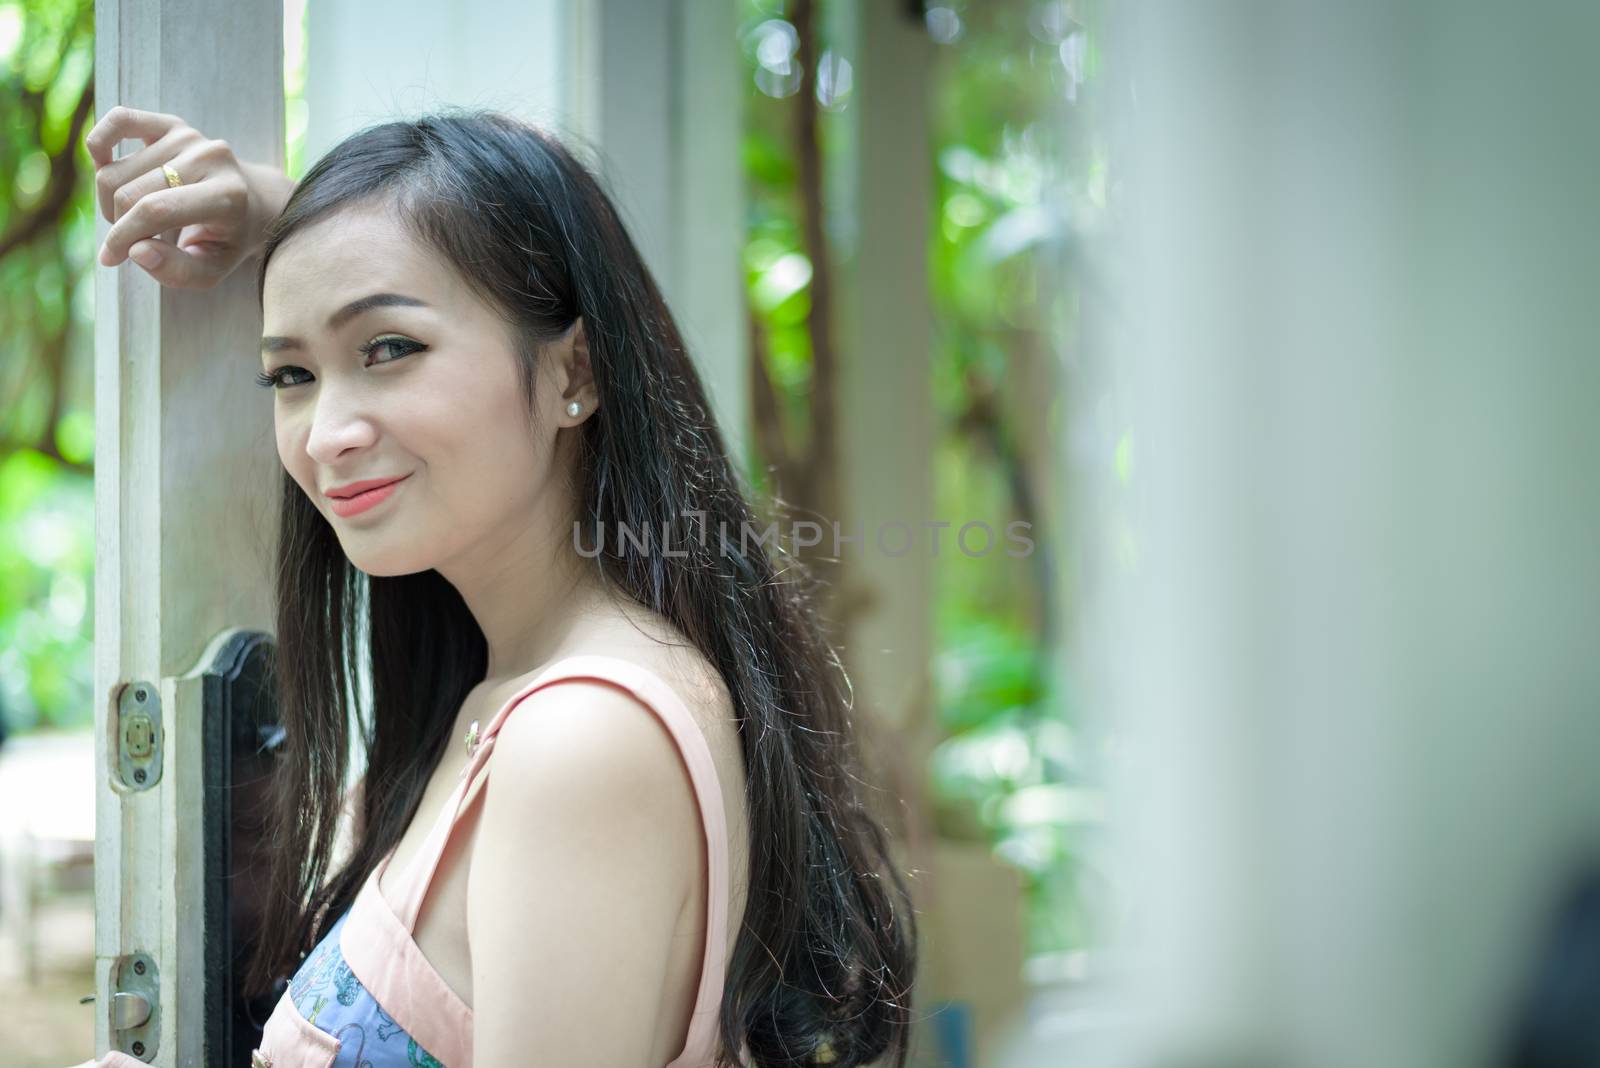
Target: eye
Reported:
point(274, 379)
point(406, 346)
point(281, 377)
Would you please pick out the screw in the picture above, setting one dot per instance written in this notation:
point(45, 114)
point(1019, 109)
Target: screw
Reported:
point(138, 775)
point(138, 695)
point(138, 967)
point(138, 1048)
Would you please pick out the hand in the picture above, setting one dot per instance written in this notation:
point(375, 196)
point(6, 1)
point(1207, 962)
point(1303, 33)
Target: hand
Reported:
point(113, 1059)
point(200, 230)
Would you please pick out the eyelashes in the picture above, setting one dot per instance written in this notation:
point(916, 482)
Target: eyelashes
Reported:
point(270, 381)
point(277, 379)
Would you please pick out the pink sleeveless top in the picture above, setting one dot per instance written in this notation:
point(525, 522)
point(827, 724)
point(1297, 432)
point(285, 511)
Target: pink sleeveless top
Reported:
point(366, 996)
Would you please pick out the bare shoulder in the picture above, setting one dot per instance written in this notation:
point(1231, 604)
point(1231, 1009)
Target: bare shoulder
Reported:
point(584, 728)
point(637, 634)
point(589, 782)
point(644, 637)
point(587, 837)
point(577, 764)
point(586, 737)
point(650, 640)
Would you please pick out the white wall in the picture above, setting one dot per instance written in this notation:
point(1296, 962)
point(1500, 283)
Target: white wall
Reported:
point(1355, 655)
point(369, 62)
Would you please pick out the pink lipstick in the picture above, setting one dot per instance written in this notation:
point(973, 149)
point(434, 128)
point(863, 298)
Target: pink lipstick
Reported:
point(361, 502)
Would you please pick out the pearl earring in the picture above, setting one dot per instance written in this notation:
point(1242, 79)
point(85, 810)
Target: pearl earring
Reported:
point(574, 409)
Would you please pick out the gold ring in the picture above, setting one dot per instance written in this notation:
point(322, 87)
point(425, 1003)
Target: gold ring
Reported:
point(173, 181)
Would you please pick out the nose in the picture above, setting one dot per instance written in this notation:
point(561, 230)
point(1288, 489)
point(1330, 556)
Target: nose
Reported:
point(338, 424)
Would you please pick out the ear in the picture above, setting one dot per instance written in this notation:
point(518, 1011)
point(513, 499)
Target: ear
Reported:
point(576, 374)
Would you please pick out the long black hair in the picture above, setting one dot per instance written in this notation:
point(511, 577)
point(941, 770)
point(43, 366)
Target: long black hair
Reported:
point(822, 967)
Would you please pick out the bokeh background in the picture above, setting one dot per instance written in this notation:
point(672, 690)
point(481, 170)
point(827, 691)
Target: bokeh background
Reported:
point(1273, 322)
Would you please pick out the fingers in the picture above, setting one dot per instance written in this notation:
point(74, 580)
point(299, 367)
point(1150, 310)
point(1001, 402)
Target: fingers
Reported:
point(208, 212)
point(225, 196)
point(115, 1059)
point(216, 202)
point(200, 161)
point(140, 172)
point(123, 123)
point(173, 266)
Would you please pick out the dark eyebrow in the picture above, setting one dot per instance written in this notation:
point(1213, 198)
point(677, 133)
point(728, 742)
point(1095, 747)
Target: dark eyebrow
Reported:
point(344, 315)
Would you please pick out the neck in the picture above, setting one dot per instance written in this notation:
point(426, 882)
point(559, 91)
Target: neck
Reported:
point(526, 593)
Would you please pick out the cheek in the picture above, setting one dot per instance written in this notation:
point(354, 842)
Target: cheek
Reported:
point(292, 454)
point(476, 418)
point(529, 443)
point(503, 463)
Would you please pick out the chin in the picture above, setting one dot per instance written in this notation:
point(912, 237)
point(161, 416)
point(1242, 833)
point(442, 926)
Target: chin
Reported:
point(385, 565)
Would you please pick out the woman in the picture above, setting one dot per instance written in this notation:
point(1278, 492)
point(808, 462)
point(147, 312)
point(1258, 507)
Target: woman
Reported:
point(610, 813)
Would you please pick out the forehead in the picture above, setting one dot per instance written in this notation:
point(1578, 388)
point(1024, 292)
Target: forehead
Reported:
point(344, 256)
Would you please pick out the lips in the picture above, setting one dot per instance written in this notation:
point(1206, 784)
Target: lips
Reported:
point(350, 489)
point(380, 491)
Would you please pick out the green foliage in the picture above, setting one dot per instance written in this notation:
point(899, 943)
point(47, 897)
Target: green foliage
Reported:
point(777, 268)
point(1014, 772)
point(46, 593)
point(1007, 155)
point(47, 237)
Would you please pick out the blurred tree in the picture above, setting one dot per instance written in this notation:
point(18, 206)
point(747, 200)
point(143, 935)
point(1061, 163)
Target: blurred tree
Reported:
point(796, 421)
point(1018, 172)
point(1011, 151)
point(1010, 160)
point(48, 52)
point(47, 247)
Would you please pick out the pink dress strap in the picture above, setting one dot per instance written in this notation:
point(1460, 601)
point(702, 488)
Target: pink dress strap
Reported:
point(407, 891)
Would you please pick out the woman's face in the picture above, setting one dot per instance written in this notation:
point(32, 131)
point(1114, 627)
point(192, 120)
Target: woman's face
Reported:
point(390, 368)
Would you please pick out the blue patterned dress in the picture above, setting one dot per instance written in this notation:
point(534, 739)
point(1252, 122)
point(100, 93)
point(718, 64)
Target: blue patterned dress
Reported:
point(328, 996)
